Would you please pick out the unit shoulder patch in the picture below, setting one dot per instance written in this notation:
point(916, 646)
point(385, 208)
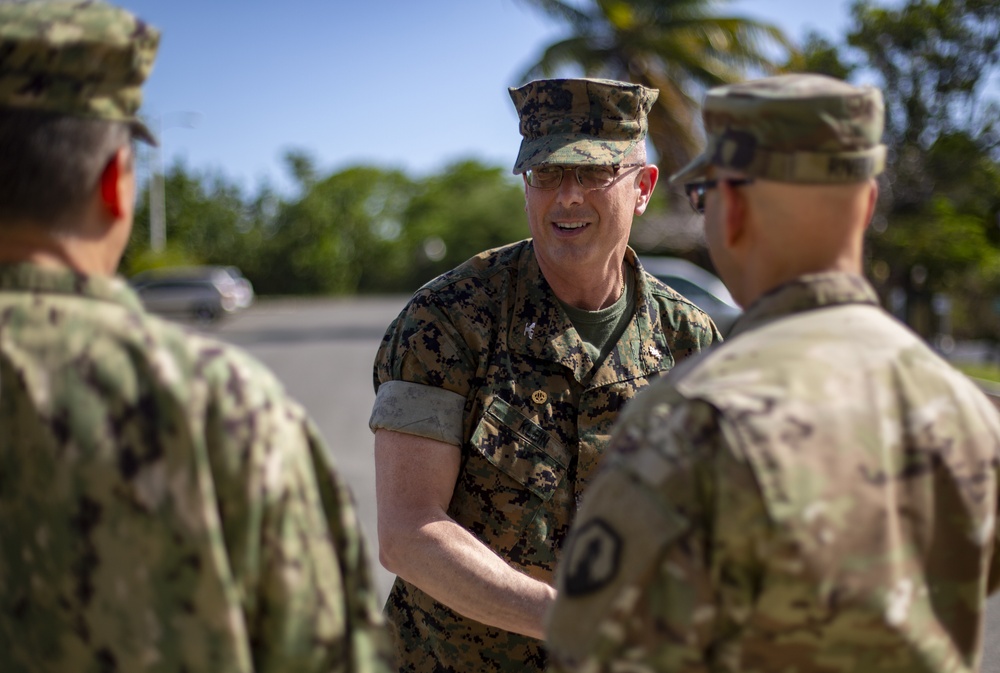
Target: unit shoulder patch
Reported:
point(593, 558)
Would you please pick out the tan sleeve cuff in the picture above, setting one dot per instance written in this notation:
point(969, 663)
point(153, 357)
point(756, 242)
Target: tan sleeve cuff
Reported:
point(417, 409)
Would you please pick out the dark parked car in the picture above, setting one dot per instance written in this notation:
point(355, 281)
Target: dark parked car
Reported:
point(702, 288)
point(204, 293)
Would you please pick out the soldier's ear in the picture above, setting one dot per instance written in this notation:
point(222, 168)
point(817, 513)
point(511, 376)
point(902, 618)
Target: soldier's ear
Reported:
point(117, 190)
point(735, 214)
point(644, 186)
point(872, 200)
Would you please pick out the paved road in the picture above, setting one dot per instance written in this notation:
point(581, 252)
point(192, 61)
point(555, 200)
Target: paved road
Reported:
point(323, 351)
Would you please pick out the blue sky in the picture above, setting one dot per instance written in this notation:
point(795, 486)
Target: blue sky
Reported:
point(411, 84)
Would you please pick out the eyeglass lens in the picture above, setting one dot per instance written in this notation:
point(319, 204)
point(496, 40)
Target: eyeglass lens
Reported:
point(696, 190)
point(696, 195)
point(588, 177)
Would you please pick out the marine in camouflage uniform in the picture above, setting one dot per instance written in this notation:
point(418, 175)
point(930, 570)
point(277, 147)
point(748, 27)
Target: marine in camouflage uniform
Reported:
point(486, 359)
point(819, 493)
point(164, 505)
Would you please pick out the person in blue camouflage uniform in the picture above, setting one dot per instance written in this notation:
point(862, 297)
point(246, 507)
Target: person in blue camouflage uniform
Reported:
point(819, 493)
point(164, 506)
point(498, 383)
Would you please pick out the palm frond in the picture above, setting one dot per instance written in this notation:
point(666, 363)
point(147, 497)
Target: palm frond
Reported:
point(574, 51)
point(563, 12)
point(681, 47)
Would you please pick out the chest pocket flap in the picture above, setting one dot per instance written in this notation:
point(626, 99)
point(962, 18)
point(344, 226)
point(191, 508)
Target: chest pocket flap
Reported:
point(520, 448)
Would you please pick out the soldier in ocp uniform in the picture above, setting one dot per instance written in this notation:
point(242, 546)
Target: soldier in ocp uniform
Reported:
point(819, 493)
point(498, 383)
point(164, 505)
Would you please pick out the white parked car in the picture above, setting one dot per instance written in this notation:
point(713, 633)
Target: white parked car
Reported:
point(203, 293)
point(702, 288)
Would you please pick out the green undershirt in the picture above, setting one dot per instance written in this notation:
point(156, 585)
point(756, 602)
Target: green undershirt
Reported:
point(600, 330)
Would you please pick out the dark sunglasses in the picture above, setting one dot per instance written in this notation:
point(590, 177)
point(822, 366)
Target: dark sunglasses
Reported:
point(696, 190)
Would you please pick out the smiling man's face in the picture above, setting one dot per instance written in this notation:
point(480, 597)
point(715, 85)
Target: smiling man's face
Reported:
point(576, 229)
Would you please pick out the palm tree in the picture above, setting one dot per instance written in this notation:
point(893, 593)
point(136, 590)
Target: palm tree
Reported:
point(680, 47)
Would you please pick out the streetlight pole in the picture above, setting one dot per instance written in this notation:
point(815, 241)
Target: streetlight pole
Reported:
point(157, 224)
point(157, 188)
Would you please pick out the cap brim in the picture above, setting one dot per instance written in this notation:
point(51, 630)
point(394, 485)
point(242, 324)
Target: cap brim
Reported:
point(141, 132)
point(571, 150)
point(695, 169)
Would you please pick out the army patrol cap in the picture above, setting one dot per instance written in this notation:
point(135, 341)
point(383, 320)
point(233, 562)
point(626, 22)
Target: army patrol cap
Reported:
point(793, 128)
point(81, 58)
point(580, 121)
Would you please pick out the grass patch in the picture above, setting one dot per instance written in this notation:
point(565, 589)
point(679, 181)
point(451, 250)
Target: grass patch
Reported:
point(987, 372)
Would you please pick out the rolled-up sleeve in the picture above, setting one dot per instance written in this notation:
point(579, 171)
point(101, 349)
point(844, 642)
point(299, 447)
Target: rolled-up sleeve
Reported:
point(422, 374)
point(417, 409)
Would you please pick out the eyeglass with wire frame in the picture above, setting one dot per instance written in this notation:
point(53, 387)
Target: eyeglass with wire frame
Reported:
point(588, 177)
point(696, 190)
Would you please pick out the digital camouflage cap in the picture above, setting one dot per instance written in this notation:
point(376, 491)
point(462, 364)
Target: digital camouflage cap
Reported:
point(580, 121)
point(75, 57)
point(793, 128)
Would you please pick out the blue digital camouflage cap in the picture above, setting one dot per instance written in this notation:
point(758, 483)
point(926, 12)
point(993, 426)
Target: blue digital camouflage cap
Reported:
point(580, 121)
point(796, 128)
point(81, 58)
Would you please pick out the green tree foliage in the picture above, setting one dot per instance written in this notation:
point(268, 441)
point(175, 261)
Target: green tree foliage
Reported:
point(934, 58)
point(821, 56)
point(941, 192)
point(302, 166)
point(680, 47)
point(206, 220)
point(324, 242)
point(362, 229)
point(937, 229)
point(466, 209)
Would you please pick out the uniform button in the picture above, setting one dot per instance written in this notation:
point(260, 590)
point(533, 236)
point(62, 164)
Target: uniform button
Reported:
point(539, 397)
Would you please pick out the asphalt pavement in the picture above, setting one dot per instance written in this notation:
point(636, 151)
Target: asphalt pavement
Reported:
point(323, 351)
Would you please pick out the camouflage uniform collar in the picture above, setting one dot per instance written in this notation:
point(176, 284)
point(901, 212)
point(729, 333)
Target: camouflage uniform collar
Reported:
point(26, 277)
point(542, 329)
point(806, 293)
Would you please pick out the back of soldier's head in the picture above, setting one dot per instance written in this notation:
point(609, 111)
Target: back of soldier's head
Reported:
point(70, 77)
